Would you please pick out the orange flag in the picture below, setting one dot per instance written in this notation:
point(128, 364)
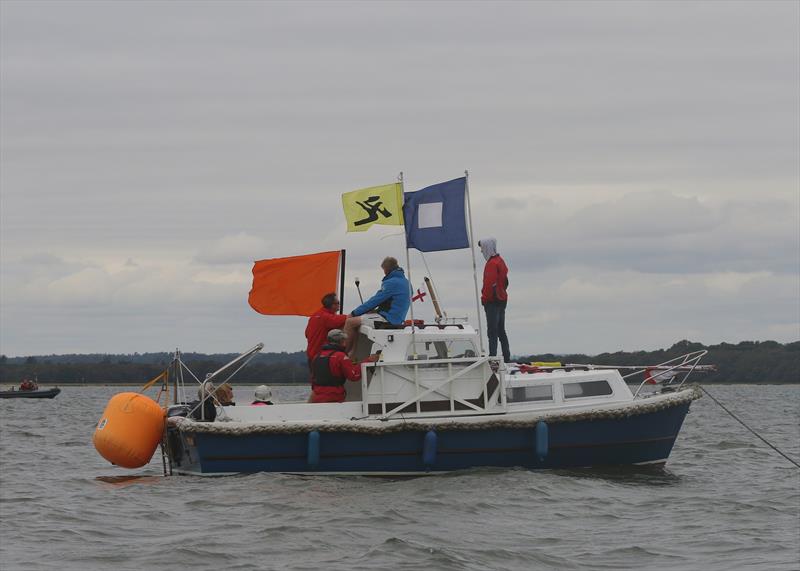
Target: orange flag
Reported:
point(294, 285)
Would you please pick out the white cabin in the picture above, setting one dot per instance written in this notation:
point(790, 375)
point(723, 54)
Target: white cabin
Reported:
point(433, 370)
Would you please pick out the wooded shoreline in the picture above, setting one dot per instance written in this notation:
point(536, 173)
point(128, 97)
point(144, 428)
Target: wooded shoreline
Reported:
point(748, 362)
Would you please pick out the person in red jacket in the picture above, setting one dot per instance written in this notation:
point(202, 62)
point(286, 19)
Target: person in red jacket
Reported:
point(331, 368)
point(321, 322)
point(494, 297)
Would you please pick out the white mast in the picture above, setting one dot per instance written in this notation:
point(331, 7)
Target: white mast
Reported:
point(408, 268)
point(474, 264)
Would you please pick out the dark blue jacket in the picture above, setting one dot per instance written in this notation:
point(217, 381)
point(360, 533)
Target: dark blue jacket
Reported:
point(392, 300)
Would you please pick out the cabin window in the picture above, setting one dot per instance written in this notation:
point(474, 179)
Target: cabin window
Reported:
point(441, 349)
point(586, 389)
point(530, 394)
point(461, 348)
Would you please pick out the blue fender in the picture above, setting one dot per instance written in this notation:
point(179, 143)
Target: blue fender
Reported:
point(429, 448)
point(542, 440)
point(313, 449)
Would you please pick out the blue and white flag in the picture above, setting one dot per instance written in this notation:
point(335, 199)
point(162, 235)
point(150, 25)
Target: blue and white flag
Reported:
point(435, 217)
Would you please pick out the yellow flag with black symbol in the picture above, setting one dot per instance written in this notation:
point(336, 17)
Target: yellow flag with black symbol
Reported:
point(373, 205)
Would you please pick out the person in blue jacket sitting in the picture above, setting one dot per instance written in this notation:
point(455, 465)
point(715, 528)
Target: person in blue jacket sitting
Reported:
point(391, 302)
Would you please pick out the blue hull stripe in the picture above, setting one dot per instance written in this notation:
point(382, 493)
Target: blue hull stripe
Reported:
point(367, 453)
point(630, 440)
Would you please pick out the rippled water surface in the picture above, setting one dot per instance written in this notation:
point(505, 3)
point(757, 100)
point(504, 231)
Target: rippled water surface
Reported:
point(724, 501)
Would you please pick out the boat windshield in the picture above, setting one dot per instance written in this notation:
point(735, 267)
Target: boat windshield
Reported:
point(442, 349)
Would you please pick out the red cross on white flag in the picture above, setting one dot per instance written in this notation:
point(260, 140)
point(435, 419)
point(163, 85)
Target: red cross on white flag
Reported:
point(419, 296)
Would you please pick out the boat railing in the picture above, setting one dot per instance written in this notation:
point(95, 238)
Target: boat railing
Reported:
point(667, 371)
point(459, 371)
point(685, 364)
point(228, 370)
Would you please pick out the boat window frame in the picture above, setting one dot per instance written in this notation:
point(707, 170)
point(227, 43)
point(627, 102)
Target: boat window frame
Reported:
point(549, 399)
point(442, 347)
point(568, 398)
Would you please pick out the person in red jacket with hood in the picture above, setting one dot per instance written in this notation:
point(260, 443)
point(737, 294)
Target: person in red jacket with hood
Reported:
point(494, 297)
point(325, 319)
point(331, 368)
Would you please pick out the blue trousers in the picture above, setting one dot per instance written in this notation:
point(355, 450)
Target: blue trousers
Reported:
point(496, 328)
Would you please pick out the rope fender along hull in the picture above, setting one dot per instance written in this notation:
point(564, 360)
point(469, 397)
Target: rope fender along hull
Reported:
point(635, 434)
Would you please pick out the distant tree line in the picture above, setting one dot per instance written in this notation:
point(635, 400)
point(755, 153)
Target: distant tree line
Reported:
point(745, 362)
point(139, 368)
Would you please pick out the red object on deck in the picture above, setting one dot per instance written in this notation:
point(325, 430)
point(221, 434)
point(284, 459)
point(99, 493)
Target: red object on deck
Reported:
point(529, 369)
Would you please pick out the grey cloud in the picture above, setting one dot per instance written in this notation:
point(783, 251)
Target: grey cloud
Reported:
point(234, 249)
point(157, 132)
point(653, 214)
point(660, 233)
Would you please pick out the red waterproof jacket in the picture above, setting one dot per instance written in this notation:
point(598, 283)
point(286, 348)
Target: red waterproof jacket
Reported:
point(495, 280)
point(317, 329)
point(341, 369)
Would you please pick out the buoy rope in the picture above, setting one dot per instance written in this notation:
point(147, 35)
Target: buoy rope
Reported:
point(163, 447)
point(740, 421)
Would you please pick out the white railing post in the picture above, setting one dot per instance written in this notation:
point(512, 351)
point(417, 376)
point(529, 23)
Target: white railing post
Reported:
point(364, 391)
point(502, 387)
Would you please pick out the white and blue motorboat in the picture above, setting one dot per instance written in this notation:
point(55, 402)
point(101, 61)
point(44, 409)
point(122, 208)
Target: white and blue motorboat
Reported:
point(434, 404)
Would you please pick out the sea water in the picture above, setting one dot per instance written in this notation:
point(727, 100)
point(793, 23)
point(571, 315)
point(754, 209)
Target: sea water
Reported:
point(724, 501)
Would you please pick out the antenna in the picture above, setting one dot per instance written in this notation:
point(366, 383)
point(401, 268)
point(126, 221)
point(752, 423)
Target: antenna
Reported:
point(358, 282)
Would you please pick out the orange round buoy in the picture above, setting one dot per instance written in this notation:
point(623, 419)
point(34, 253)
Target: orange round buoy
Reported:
point(129, 430)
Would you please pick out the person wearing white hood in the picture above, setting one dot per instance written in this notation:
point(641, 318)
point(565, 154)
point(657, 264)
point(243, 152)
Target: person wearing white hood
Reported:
point(494, 297)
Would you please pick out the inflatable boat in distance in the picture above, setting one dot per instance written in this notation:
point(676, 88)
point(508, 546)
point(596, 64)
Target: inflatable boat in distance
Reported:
point(34, 394)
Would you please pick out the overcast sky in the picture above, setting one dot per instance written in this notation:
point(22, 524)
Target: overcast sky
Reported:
point(638, 163)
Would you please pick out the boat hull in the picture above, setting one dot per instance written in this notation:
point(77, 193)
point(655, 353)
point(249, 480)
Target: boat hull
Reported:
point(634, 439)
point(45, 394)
